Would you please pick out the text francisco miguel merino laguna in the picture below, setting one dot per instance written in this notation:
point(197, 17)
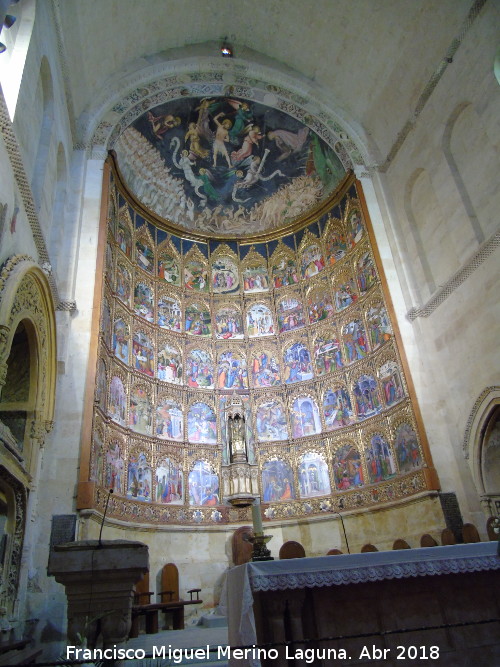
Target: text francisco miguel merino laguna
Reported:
point(178, 655)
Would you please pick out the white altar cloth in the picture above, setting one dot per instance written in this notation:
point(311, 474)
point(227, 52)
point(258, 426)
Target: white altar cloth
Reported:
point(294, 573)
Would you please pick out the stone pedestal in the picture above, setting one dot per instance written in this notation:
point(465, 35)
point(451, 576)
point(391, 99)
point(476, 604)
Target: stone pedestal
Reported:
point(99, 581)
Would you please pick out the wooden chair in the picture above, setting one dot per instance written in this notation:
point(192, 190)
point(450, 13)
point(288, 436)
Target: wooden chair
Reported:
point(335, 552)
point(170, 601)
point(242, 549)
point(142, 607)
point(400, 544)
point(427, 541)
point(447, 537)
point(470, 533)
point(367, 548)
point(291, 549)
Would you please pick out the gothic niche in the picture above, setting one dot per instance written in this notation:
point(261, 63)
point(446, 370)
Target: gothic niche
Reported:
point(239, 475)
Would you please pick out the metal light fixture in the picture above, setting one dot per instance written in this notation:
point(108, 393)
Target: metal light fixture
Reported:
point(226, 50)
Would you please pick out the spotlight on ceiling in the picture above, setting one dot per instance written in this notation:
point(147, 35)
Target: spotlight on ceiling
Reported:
point(2, 47)
point(9, 21)
point(226, 50)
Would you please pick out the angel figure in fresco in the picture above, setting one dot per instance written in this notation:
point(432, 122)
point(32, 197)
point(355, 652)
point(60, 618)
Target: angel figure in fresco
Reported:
point(252, 138)
point(161, 124)
point(288, 142)
point(242, 118)
point(193, 136)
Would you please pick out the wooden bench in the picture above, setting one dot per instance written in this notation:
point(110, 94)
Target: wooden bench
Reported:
point(170, 603)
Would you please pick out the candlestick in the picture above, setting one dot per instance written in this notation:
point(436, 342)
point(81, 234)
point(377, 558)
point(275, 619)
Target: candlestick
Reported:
point(257, 518)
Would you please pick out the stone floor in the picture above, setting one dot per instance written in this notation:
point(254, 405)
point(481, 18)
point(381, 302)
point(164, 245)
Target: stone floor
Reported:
point(191, 638)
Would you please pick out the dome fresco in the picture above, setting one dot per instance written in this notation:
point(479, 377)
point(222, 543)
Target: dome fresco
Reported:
point(297, 327)
point(226, 166)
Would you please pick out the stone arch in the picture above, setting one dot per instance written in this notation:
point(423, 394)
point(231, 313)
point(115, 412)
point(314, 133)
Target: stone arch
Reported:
point(27, 332)
point(17, 40)
point(464, 127)
point(415, 232)
point(482, 448)
point(59, 237)
point(45, 91)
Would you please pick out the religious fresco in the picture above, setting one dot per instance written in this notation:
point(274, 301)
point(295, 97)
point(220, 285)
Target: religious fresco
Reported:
point(366, 275)
point(259, 321)
point(143, 302)
point(97, 462)
point(366, 397)
point(354, 338)
point(264, 369)
point(314, 478)
point(100, 390)
point(311, 261)
point(304, 415)
point(106, 321)
point(290, 313)
point(379, 326)
point(337, 408)
point(123, 284)
point(200, 369)
point(208, 310)
point(347, 468)
point(335, 245)
point(117, 401)
point(277, 481)
point(392, 387)
point(327, 354)
point(120, 340)
point(228, 323)
point(143, 353)
point(109, 260)
point(203, 485)
point(169, 482)
point(124, 238)
point(196, 276)
point(141, 411)
point(169, 419)
point(270, 421)
point(169, 367)
point(379, 459)
point(297, 364)
point(225, 278)
point(144, 256)
point(319, 304)
point(407, 449)
point(255, 279)
point(139, 478)
point(355, 225)
point(115, 467)
point(202, 424)
point(285, 272)
point(216, 162)
point(345, 292)
point(169, 313)
point(232, 371)
point(198, 321)
point(168, 268)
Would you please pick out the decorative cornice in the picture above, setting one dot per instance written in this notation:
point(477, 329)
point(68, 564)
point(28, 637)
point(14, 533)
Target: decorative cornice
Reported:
point(440, 296)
